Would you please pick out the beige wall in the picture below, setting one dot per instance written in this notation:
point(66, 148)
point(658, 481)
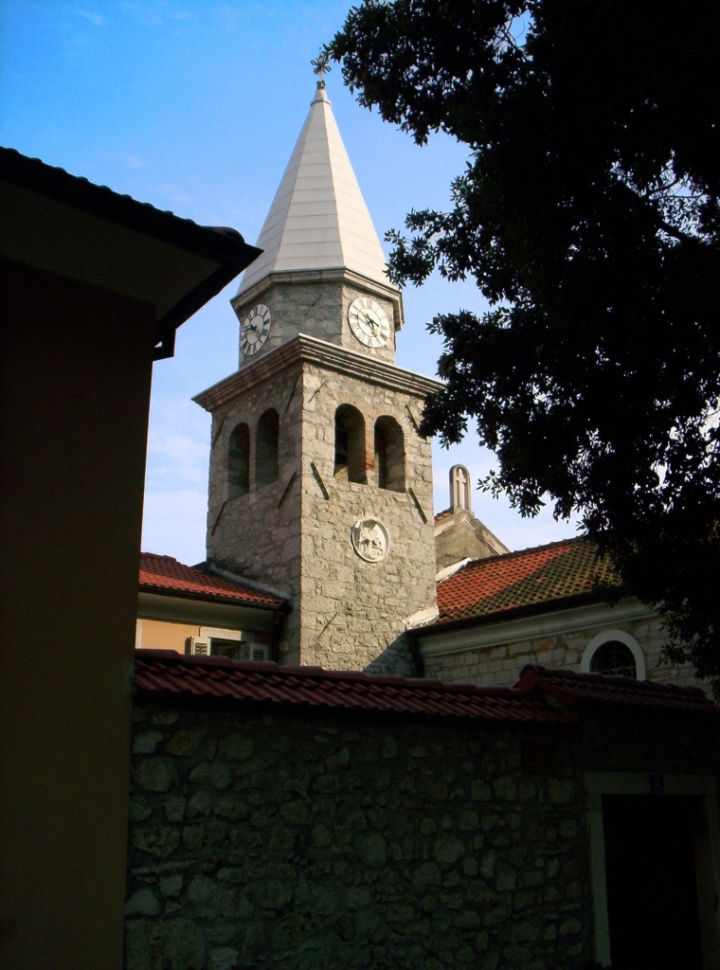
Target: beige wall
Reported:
point(163, 635)
point(76, 368)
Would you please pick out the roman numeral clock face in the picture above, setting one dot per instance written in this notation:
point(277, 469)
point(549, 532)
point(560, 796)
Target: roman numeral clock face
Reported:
point(254, 330)
point(369, 322)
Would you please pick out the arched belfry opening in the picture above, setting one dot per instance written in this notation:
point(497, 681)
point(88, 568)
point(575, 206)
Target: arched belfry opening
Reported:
point(459, 488)
point(267, 468)
point(389, 454)
point(239, 462)
point(350, 462)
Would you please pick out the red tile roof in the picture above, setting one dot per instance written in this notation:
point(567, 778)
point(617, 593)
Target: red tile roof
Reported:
point(168, 673)
point(160, 574)
point(523, 579)
point(443, 515)
point(572, 688)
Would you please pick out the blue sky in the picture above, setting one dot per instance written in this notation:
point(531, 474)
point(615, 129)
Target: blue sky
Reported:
point(195, 107)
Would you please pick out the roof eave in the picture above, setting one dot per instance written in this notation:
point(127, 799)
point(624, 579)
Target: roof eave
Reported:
point(222, 246)
point(280, 607)
point(515, 612)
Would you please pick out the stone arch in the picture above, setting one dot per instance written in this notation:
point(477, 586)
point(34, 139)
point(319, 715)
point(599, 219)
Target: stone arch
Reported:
point(389, 454)
point(267, 463)
point(350, 464)
point(239, 461)
point(613, 636)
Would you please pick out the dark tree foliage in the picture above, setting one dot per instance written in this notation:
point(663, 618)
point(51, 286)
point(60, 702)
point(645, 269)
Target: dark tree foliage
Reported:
point(589, 217)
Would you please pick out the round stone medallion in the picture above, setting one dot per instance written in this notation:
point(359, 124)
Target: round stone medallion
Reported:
point(370, 539)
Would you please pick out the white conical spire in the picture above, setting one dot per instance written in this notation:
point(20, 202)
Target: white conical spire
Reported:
point(318, 219)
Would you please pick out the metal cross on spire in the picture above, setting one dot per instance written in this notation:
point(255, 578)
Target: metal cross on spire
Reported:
point(321, 66)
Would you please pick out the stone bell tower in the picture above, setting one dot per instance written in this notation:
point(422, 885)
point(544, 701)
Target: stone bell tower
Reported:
point(320, 485)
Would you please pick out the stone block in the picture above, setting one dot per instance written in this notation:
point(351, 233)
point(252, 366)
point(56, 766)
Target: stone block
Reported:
point(213, 773)
point(186, 742)
point(156, 774)
point(159, 841)
point(142, 903)
point(224, 958)
point(560, 791)
point(146, 742)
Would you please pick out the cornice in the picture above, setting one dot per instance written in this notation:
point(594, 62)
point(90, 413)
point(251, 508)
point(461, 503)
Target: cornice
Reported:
point(492, 631)
point(306, 349)
point(334, 274)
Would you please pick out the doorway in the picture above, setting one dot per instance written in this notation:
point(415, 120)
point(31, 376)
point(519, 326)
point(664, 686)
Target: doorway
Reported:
point(652, 889)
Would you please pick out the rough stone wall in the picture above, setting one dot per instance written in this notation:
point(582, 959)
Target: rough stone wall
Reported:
point(463, 536)
point(486, 666)
point(295, 533)
point(352, 609)
point(267, 838)
point(258, 534)
point(319, 309)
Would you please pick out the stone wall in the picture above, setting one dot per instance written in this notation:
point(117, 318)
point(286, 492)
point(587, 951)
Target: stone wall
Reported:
point(352, 609)
point(460, 535)
point(272, 839)
point(295, 534)
point(257, 535)
point(502, 663)
point(319, 308)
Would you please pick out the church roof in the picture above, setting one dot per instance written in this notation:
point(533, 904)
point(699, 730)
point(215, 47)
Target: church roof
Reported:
point(318, 219)
point(163, 574)
point(528, 578)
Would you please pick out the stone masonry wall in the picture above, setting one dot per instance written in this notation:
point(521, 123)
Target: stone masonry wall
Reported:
point(352, 610)
point(319, 309)
point(295, 533)
point(486, 666)
point(258, 534)
point(270, 838)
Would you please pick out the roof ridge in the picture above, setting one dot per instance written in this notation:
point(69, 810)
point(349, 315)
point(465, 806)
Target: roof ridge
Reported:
point(313, 672)
point(619, 680)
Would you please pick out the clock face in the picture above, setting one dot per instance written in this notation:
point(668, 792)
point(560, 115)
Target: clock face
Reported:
point(369, 322)
point(254, 329)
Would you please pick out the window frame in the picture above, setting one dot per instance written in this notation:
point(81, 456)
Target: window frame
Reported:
point(622, 636)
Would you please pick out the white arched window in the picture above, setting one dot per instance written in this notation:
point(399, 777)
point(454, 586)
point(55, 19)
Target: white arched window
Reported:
point(614, 652)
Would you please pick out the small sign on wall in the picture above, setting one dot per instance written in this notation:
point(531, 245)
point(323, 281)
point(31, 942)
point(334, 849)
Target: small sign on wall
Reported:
point(657, 784)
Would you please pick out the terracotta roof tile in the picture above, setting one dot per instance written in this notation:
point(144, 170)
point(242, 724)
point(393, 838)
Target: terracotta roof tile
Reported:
point(573, 688)
point(446, 513)
point(525, 578)
point(165, 574)
point(170, 674)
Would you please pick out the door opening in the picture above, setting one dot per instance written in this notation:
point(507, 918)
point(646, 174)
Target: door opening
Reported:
point(652, 892)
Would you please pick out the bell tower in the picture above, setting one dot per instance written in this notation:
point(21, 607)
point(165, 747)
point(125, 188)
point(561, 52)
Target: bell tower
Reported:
point(320, 485)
